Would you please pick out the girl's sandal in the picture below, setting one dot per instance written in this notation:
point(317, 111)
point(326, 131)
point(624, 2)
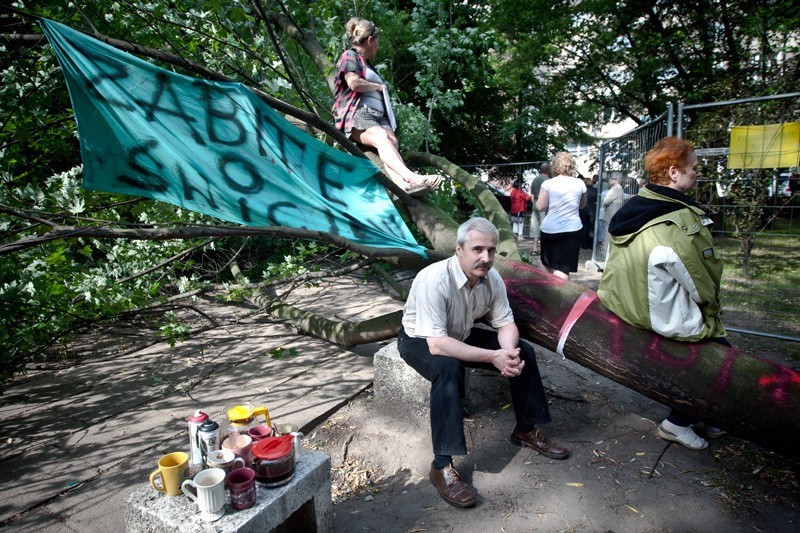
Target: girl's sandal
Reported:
point(417, 190)
point(431, 181)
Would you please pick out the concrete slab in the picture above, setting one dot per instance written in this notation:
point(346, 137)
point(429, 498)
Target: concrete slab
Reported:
point(147, 511)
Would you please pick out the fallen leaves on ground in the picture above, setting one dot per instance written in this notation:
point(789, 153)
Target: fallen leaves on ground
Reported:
point(351, 478)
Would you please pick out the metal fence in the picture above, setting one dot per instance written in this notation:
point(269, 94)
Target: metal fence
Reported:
point(504, 174)
point(500, 176)
point(624, 155)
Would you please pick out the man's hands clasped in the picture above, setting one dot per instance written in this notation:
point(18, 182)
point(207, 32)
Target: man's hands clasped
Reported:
point(508, 362)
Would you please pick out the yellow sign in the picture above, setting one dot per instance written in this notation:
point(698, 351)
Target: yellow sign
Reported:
point(770, 146)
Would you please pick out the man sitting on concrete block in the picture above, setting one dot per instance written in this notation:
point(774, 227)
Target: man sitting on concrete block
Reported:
point(438, 340)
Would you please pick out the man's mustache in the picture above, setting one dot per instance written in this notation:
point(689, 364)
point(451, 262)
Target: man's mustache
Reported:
point(483, 264)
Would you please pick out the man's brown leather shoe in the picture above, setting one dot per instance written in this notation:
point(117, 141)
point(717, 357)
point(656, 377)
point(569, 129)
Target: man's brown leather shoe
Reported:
point(454, 491)
point(539, 442)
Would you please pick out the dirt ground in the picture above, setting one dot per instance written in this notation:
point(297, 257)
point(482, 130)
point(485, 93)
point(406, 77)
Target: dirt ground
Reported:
point(620, 475)
point(615, 480)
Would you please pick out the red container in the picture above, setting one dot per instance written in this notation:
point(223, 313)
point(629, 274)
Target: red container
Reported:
point(242, 487)
point(272, 458)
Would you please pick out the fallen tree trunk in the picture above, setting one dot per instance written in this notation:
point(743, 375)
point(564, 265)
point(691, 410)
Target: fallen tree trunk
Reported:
point(339, 332)
point(747, 395)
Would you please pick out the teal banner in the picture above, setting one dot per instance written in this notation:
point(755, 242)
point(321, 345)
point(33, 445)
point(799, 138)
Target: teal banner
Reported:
point(214, 148)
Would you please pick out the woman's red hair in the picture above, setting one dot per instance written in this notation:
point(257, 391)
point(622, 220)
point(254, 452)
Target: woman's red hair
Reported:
point(668, 152)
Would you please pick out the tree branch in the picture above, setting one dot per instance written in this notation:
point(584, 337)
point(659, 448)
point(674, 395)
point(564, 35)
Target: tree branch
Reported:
point(194, 231)
point(402, 292)
point(289, 71)
point(308, 42)
point(342, 333)
point(441, 234)
point(175, 257)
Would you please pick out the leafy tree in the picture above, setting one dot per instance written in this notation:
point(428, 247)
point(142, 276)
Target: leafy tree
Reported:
point(635, 57)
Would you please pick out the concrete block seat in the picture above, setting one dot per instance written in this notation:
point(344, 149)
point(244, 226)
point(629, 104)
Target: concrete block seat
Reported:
point(302, 504)
point(396, 383)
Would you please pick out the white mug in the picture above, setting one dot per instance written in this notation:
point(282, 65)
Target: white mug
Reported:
point(224, 459)
point(209, 493)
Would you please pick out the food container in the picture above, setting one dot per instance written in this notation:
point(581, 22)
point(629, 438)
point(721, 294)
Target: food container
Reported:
point(248, 414)
point(244, 417)
point(272, 458)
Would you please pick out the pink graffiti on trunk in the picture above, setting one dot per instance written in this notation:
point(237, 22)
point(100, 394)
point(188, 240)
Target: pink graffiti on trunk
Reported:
point(726, 372)
point(656, 353)
point(780, 381)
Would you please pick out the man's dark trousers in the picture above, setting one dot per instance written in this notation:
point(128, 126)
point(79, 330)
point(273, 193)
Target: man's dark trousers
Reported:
point(446, 375)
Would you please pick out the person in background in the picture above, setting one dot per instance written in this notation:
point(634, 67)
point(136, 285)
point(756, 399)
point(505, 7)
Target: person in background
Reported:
point(438, 340)
point(561, 197)
point(588, 214)
point(536, 215)
point(631, 187)
point(613, 201)
point(519, 208)
point(662, 277)
point(601, 218)
point(362, 110)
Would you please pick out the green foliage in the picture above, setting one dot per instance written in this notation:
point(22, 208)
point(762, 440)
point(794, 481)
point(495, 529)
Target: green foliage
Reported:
point(294, 263)
point(172, 330)
point(234, 294)
point(413, 129)
point(580, 62)
point(452, 51)
point(282, 352)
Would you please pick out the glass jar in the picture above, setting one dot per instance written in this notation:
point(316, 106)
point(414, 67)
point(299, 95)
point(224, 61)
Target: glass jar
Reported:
point(272, 459)
point(245, 416)
point(242, 418)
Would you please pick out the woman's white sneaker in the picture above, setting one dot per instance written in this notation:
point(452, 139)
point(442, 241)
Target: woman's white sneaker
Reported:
point(689, 438)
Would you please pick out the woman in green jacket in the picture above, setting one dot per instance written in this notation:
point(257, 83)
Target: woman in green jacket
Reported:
point(663, 272)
